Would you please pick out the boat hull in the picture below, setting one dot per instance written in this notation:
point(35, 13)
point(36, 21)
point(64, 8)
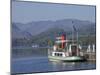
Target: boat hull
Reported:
point(67, 59)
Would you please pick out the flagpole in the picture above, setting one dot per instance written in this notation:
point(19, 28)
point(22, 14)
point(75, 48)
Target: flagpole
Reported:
point(73, 36)
point(75, 32)
point(77, 36)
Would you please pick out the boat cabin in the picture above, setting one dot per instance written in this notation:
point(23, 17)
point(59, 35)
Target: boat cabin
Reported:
point(61, 54)
point(74, 50)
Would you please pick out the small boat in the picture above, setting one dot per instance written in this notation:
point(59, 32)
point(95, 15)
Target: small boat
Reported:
point(35, 46)
point(67, 59)
point(65, 50)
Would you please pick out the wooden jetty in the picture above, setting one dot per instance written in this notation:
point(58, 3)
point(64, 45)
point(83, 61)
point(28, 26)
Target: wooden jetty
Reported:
point(90, 56)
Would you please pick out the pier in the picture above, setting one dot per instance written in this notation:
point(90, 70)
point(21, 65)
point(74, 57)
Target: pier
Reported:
point(90, 56)
point(90, 53)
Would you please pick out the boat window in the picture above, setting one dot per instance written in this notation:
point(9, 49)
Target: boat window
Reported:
point(55, 54)
point(58, 54)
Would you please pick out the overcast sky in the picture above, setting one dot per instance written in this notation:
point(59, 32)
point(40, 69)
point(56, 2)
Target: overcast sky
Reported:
point(31, 11)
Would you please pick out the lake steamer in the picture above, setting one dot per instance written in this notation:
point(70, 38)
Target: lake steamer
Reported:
point(65, 50)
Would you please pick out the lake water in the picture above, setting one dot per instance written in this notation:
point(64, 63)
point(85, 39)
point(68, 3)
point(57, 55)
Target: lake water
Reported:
point(42, 64)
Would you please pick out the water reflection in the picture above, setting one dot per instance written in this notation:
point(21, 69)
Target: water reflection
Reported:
point(57, 66)
point(42, 64)
point(63, 65)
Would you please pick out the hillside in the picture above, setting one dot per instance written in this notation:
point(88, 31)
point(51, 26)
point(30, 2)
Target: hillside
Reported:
point(41, 31)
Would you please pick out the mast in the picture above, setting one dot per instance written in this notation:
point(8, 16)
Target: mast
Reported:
point(72, 34)
point(75, 36)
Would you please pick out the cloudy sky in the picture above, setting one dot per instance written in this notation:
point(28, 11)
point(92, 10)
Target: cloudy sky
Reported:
point(32, 11)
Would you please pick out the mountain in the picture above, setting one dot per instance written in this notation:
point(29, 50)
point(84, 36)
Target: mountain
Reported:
point(17, 33)
point(37, 27)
